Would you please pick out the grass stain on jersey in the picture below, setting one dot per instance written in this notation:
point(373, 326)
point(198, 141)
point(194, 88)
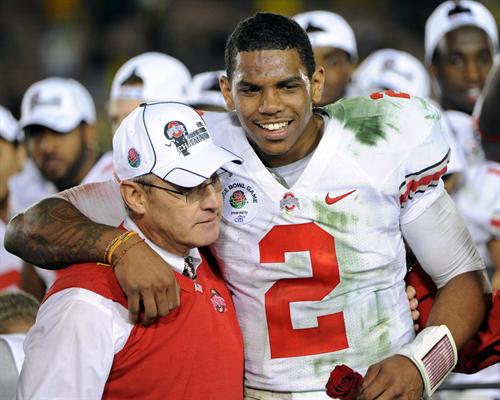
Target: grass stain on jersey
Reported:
point(338, 221)
point(370, 120)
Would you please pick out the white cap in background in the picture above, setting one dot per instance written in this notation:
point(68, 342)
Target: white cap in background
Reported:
point(60, 104)
point(204, 90)
point(391, 69)
point(164, 78)
point(327, 29)
point(169, 140)
point(451, 15)
point(9, 127)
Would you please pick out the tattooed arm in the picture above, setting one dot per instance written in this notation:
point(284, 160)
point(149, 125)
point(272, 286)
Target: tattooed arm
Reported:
point(54, 233)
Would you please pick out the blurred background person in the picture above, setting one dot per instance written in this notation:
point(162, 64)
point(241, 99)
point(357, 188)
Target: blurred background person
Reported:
point(147, 77)
point(11, 157)
point(17, 315)
point(334, 46)
point(58, 119)
point(204, 92)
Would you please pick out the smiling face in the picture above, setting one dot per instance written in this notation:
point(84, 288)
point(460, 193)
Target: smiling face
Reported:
point(273, 97)
point(463, 61)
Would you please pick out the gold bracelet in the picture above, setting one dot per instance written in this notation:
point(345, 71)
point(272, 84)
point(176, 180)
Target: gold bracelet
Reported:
point(123, 252)
point(115, 243)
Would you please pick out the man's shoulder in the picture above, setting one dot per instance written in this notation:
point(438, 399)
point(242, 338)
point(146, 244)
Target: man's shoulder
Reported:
point(383, 118)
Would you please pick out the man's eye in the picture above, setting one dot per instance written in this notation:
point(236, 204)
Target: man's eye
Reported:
point(249, 90)
point(291, 86)
point(456, 60)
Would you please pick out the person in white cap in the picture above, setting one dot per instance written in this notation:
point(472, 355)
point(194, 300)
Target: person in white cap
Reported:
point(58, 119)
point(11, 157)
point(204, 92)
point(334, 46)
point(314, 223)
point(461, 39)
point(147, 77)
point(174, 203)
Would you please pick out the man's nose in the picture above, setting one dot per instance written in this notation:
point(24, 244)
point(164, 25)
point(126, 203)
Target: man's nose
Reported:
point(271, 102)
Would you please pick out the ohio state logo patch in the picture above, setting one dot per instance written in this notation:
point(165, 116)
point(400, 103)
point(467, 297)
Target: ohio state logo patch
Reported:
point(289, 202)
point(133, 158)
point(177, 133)
point(218, 301)
point(241, 202)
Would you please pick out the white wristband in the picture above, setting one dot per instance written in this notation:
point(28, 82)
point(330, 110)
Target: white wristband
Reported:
point(434, 353)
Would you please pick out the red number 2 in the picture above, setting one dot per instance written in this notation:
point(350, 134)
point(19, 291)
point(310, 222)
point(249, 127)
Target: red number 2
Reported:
point(330, 334)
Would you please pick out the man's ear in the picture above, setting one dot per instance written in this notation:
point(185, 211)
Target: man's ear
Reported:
point(134, 196)
point(225, 88)
point(317, 82)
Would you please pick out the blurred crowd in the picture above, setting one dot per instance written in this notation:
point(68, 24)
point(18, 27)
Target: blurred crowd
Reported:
point(51, 134)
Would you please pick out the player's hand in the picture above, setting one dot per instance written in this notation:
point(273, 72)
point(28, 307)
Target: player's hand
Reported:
point(146, 278)
point(411, 293)
point(395, 377)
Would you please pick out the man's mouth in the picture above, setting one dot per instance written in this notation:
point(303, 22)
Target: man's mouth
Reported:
point(274, 126)
point(473, 93)
point(274, 130)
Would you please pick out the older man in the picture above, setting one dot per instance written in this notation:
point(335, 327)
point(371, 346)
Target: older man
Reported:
point(174, 203)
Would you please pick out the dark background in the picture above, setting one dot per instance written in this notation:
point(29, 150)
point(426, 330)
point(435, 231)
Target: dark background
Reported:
point(89, 39)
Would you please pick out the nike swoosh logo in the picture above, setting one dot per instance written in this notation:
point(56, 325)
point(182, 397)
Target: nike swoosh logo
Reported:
point(331, 200)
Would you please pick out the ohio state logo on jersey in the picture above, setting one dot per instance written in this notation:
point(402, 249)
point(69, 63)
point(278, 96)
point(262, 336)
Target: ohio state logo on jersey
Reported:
point(176, 132)
point(218, 301)
point(289, 202)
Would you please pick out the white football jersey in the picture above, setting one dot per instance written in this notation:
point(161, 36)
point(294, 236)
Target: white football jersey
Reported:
point(317, 270)
point(479, 203)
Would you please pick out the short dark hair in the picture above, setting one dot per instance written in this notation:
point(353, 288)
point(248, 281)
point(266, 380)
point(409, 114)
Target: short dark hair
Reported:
point(267, 31)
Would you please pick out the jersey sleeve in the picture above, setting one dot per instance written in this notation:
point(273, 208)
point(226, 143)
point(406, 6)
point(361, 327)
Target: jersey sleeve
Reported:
point(101, 202)
point(71, 347)
point(425, 163)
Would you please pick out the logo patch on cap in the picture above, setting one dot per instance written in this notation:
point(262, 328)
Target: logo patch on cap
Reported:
point(176, 131)
point(133, 158)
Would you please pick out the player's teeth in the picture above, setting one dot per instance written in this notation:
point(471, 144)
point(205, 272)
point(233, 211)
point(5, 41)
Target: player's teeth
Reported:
point(474, 92)
point(274, 127)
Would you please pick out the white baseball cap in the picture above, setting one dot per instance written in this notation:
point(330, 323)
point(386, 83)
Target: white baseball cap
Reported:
point(451, 15)
point(204, 89)
point(164, 78)
point(9, 127)
point(391, 69)
point(169, 140)
point(327, 29)
point(60, 104)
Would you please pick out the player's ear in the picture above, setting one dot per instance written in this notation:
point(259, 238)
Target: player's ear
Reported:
point(225, 88)
point(317, 82)
point(134, 196)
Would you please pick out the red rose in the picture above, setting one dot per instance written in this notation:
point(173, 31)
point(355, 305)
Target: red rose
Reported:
point(344, 383)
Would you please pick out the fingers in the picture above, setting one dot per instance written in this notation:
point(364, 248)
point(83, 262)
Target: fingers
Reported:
point(410, 292)
point(173, 295)
point(133, 305)
point(150, 309)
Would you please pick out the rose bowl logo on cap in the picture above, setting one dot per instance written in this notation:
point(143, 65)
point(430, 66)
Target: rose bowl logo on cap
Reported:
point(133, 158)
